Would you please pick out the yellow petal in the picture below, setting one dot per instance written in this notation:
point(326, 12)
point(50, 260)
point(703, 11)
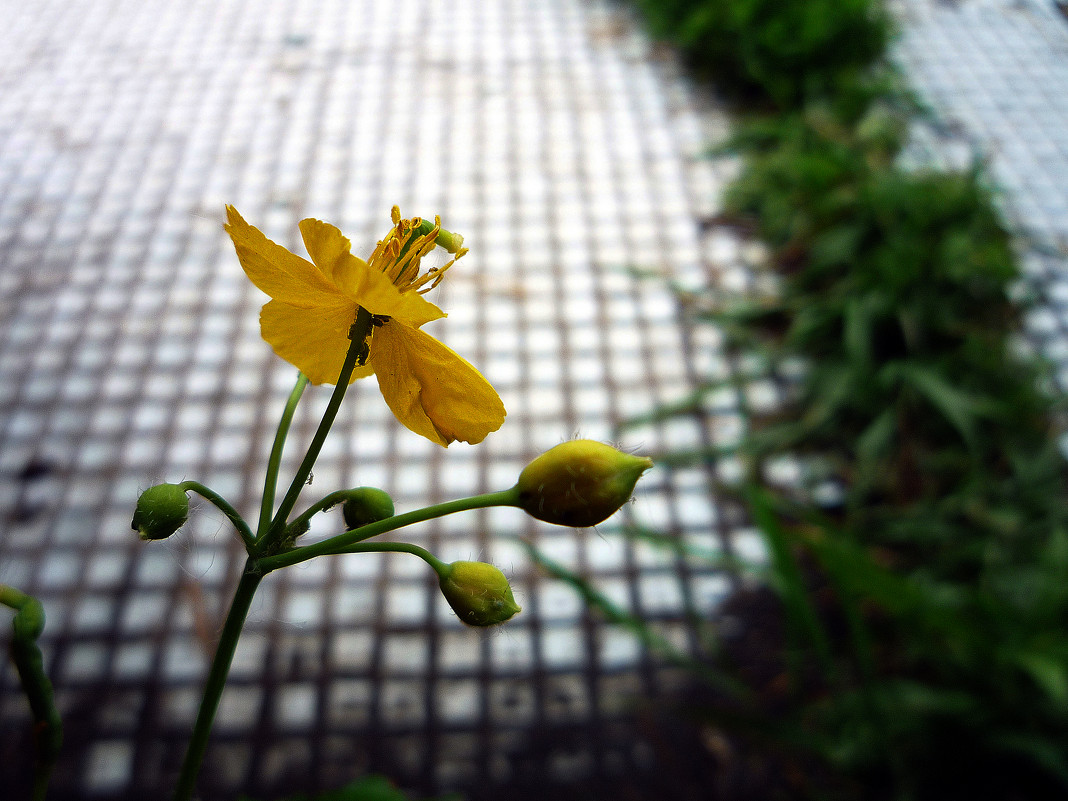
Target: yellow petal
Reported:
point(372, 289)
point(431, 389)
point(281, 274)
point(376, 293)
point(314, 341)
point(331, 251)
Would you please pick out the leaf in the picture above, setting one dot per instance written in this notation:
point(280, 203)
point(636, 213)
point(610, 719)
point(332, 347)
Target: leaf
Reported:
point(875, 440)
point(961, 409)
point(791, 583)
point(1049, 673)
point(1044, 752)
point(857, 331)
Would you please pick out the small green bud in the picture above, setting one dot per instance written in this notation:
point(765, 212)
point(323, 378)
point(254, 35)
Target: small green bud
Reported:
point(161, 511)
point(478, 593)
point(366, 505)
point(579, 483)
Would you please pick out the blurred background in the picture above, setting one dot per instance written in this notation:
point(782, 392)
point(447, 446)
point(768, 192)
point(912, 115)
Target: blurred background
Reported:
point(571, 143)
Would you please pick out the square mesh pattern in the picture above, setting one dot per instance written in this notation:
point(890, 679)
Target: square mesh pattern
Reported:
point(549, 135)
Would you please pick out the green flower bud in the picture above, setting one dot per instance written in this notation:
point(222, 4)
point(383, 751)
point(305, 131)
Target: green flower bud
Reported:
point(579, 483)
point(366, 505)
point(161, 511)
point(478, 593)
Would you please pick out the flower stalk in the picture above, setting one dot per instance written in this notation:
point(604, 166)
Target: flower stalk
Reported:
point(343, 543)
point(223, 506)
point(274, 462)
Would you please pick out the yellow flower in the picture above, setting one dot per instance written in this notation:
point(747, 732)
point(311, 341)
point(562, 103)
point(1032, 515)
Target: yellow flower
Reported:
point(430, 388)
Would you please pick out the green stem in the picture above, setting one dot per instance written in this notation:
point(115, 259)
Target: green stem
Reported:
point(342, 542)
point(29, 663)
point(213, 688)
point(358, 335)
point(401, 547)
point(270, 483)
point(328, 502)
point(209, 494)
point(14, 599)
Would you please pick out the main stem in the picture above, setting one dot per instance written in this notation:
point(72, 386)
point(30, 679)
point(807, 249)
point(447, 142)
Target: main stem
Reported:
point(220, 669)
point(358, 335)
point(253, 572)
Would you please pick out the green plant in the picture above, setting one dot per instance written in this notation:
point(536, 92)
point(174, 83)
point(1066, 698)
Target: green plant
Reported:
point(941, 550)
point(940, 687)
point(781, 52)
point(338, 318)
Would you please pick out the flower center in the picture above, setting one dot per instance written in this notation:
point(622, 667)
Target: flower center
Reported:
point(399, 255)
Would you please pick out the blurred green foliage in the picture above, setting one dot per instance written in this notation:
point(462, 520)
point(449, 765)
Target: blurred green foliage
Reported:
point(894, 291)
point(777, 52)
point(946, 544)
point(928, 588)
point(921, 561)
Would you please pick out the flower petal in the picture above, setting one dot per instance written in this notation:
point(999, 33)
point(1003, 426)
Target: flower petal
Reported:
point(282, 275)
point(376, 293)
point(431, 389)
point(331, 251)
point(372, 289)
point(315, 342)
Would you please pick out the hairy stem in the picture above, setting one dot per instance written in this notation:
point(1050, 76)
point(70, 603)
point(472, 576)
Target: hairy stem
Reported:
point(221, 503)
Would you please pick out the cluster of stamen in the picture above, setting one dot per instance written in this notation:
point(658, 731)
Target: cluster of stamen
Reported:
point(400, 253)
